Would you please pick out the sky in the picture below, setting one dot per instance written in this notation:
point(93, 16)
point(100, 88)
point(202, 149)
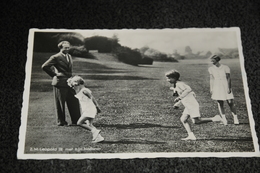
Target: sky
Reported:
point(169, 40)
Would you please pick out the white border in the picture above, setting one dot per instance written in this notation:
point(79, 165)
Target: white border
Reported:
point(246, 90)
point(22, 133)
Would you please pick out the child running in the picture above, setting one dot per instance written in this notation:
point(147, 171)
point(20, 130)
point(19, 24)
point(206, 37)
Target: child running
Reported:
point(187, 98)
point(88, 105)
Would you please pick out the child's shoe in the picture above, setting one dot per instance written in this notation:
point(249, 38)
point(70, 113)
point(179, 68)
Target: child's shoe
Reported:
point(224, 120)
point(95, 133)
point(191, 136)
point(235, 119)
point(98, 139)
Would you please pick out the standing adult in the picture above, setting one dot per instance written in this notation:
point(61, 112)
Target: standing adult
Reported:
point(220, 88)
point(59, 67)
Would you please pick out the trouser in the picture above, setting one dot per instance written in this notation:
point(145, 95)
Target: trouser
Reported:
point(62, 95)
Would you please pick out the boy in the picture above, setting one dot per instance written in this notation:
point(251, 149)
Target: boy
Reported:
point(187, 97)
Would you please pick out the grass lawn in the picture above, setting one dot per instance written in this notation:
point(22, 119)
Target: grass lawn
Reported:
point(137, 114)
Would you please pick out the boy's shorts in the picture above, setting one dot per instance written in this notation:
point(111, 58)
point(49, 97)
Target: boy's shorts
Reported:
point(193, 112)
point(192, 107)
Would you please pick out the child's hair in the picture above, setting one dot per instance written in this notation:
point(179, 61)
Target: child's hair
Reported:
point(216, 57)
point(77, 79)
point(173, 74)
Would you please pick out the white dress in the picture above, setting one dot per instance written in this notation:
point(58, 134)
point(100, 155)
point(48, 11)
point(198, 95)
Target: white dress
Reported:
point(188, 99)
point(220, 84)
point(88, 108)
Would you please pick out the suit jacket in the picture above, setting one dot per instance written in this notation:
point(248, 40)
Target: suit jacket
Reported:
point(61, 65)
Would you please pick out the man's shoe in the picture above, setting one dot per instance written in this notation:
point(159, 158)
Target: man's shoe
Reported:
point(72, 124)
point(63, 124)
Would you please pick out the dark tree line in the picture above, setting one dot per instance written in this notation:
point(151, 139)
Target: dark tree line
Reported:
point(80, 46)
point(48, 41)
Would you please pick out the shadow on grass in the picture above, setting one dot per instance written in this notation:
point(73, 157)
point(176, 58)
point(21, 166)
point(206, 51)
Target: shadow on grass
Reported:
point(124, 141)
point(135, 126)
point(114, 77)
point(39, 86)
point(225, 138)
point(95, 71)
point(240, 123)
point(147, 66)
point(95, 67)
point(100, 71)
point(47, 87)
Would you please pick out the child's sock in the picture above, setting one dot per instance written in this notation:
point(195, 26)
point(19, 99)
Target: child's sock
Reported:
point(191, 134)
point(216, 118)
point(235, 119)
point(93, 129)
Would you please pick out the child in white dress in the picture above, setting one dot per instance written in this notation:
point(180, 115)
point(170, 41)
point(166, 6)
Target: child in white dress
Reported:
point(88, 105)
point(220, 87)
point(187, 98)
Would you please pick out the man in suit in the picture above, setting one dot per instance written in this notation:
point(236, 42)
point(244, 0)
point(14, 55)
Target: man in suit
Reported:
point(59, 67)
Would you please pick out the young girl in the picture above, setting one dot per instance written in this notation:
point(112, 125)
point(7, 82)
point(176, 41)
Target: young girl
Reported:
point(187, 97)
point(89, 107)
point(220, 87)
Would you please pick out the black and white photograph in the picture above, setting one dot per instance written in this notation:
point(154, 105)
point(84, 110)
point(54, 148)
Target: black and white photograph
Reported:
point(136, 93)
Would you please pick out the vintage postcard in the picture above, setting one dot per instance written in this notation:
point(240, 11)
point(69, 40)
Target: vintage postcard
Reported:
point(143, 93)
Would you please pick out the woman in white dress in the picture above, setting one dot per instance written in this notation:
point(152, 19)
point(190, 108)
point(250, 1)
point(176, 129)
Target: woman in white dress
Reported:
point(88, 105)
point(220, 87)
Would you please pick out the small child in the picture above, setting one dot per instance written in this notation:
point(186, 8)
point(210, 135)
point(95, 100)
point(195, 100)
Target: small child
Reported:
point(88, 105)
point(187, 97)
